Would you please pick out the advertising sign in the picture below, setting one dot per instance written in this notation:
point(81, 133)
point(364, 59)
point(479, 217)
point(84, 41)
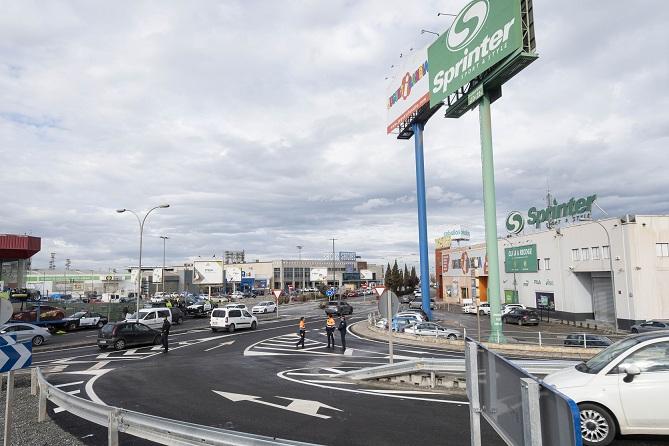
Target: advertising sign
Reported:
point(233, 274)
point(207, 272)
point(350, 277)
point(483, 34)
point(407, 89)
point(366, 274)
point(554, 213)
point(445, 260)
point(457, 233)
point(157, 275)
point(520, 259)
point(347, 256)
point(545, 301)
point(443, 242)
point(318, 274)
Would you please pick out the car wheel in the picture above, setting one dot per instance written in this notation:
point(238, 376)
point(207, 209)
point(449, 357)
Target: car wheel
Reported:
point(481, 312)
point(100, 324)
point(38, 340)
point(180, 320)
point(231, 328)
point(254, 325)
point(635, 331)
point(71, 326)
point(265, 310)
point(214, 330)
point(597, 425)
point(119, 345)
point(520, 322)
point(157, 340)
point(451, 337)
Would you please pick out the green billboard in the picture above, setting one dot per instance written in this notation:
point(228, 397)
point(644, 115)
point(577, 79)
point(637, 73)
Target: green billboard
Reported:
point(484, 33)
point(520, 259)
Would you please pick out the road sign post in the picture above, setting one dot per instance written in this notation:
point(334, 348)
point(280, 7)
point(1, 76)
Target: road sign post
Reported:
point(277, 294)
point(13, 355)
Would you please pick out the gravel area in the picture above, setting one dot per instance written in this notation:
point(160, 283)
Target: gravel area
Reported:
point(25, 429)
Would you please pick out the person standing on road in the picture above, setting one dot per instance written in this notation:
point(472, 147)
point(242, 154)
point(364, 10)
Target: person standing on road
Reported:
point(166, 333)
point(303, 332)
point(329, 329)
point(342, 332)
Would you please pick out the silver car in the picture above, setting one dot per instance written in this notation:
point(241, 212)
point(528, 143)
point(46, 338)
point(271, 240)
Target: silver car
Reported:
point(432, 329)
point(26, 332)
point(653, 325)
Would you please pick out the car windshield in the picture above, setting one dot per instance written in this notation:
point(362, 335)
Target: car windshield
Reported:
point(603, 358)
point(78, 314)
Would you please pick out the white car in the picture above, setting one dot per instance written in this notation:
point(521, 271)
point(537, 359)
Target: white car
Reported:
point(507, 308)
point(382, 323)
point(484, 309)
point(410, 315)
point(432, 329)
point(264, 307)
point(152, 317)
point(26, 332)
point(231, 319)
point(624, 388)
point(237, 295)
point(469, 309)
point(237, 306)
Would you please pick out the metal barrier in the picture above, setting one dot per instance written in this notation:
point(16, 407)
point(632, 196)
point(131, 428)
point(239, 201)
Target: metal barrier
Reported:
point(149, 427)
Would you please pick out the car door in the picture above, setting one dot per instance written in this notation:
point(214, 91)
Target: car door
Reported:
point(87, 320)
point(645, 327)
point(644, 399)
point(150, 319)
point(142, 334)
point(22, 332)
point(247, 318)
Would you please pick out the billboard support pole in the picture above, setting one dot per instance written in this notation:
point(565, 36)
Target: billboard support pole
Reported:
point(417, 128)
point(472, 371)
point(490, 216)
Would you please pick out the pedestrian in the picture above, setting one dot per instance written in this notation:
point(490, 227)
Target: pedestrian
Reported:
point(168, 304)
point(302, 332)
point(329, 330)
point(342, 332)
point(166, 333)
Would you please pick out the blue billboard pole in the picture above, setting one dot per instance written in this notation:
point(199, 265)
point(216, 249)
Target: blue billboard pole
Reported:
point(417, 128)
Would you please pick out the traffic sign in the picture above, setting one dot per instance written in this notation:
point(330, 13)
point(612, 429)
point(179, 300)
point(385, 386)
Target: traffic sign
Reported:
point(277, 293)
point(330, 292)
point(15, 356)
point(6, 310)
point(394, 304)
point(7, 339)
point(379, 290)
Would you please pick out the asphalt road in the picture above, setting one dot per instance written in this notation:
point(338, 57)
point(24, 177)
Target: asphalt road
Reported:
point(255, 381)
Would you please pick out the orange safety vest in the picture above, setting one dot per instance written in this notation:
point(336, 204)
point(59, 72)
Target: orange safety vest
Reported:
point(302, 325)
point(330, 322)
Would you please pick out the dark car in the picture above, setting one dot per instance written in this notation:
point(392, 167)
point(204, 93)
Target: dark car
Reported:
point(587, 340)
point(177, 315)
point(654, 325)
point(120, 335)
point(85, 319)
point(418, 311)
point(418, 303)
point(351, 294)
point(46, 313)
point(338, 307)
point(521, 316)
point(407, 298)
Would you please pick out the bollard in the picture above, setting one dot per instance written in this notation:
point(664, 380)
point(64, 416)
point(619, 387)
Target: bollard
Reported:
point(41, 407)
point(33, 381)
point(540, 339)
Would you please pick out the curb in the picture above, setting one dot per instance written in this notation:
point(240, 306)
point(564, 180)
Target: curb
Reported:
point(377, 334)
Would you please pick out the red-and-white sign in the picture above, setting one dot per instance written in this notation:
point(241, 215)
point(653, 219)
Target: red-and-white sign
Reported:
point(379, 290)
point(277, 293)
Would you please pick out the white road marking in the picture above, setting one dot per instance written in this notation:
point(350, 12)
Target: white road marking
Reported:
point(331, 382)
point(305, 407)
point(73, 392)
point(407, 392)
point(309, 374)
point(221, 345)
point(74, 383)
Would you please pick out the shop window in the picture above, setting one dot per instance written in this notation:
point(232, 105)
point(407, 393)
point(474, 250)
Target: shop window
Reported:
point(585, 253)
point(575, 255)
point(662, 249)
point(606, 252)
point(595, 253)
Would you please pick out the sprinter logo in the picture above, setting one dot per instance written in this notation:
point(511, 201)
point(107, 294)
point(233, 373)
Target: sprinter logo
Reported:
point(515, 222)
point(467, 25)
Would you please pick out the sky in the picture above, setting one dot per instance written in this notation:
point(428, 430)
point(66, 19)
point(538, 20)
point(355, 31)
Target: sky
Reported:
point(263, 125)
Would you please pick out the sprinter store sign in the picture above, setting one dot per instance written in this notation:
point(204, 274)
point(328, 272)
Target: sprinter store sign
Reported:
point(554, 213)
point(482, 35)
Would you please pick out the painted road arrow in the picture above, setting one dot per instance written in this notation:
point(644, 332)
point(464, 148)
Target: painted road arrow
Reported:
point(305, 407)
point(15, 356)
point(221, 345)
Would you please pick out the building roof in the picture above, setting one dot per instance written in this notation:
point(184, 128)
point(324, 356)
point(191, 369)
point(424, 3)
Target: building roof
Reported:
point(15, 247)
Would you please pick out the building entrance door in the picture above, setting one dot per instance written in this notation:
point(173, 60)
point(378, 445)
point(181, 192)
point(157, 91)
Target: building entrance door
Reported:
point(602, 299)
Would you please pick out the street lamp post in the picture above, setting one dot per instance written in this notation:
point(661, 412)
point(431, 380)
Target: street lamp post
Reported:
point(163, 274)
point(141, 233)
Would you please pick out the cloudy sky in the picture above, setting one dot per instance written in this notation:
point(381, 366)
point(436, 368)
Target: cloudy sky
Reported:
point(262, 124)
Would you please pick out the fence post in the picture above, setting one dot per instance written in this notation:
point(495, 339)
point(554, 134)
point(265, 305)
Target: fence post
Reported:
point(540, 345)
point(585, 341)
point(41, 407)
point(529, 389)
point(112, 433)
point(33, 381)
point(471, 365)
point(9, 403)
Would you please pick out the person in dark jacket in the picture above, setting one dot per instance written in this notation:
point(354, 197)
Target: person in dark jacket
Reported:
point(166, 333)
point(342, 332)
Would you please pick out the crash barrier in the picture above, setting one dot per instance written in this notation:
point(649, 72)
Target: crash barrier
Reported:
point(149, 427)
point(518, 406)
point(539, 338)
point(451, 365)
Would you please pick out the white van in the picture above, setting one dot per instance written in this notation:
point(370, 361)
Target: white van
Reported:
point(152, 317)
point(231, 319)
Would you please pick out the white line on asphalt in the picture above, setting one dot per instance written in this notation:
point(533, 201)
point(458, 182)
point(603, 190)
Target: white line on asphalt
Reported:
point(348, 383)
point(69, 384)
point(310, 374)
point(407, 392)
point(74, 392)
point(221, 345)
point(63, 349)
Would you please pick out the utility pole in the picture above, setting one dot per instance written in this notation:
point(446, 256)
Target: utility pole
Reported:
point(334, 277)
point(163, 274)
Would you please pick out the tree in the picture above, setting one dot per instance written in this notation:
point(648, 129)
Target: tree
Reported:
point(407, 278)
point(395, 278)
point(387, 277)
point(414, 277)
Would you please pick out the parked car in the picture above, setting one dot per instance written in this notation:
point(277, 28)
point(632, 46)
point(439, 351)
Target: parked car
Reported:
point(151, 317)
point(177, 315)
point(85, 319)
point(484, 308)
point(469, 309)
point(237, 306)
point(587, 340)
point(406, 298)
point(521, 317)
point(338, 307)
point(623, 389)
point(506, 308)
point(199, 308)
point(418, 311)
point(432, 329)
point(418, 303)
point(231, 319)
point(26, 332)
point(236, 295)
point(652, 325)
point(382, 323)
point(120, 335)
point(399, 323)
point(420, 317)
point(47, 313)
point(264, 307)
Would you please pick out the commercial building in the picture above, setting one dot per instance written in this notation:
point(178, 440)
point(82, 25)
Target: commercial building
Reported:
point(15, 254)
point(613, 271)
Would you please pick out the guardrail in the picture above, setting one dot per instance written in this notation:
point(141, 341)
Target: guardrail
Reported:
point(535, 367)
point(149, 427)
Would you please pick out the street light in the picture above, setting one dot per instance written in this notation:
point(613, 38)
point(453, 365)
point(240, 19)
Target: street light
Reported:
point(163, 275)
point(141, 233)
